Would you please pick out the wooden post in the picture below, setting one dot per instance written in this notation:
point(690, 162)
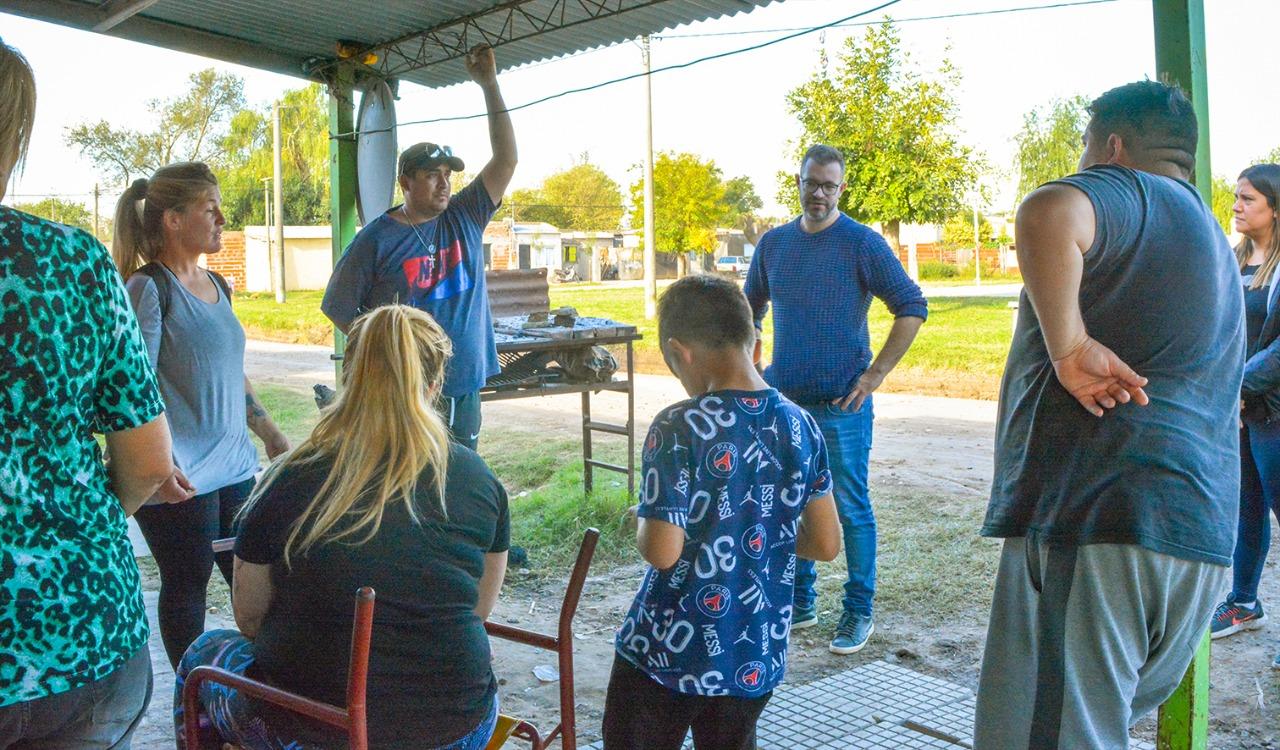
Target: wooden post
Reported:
point(342, 176)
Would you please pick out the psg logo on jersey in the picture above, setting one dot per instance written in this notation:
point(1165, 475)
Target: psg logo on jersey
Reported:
point(652, 444)
point(751, 676)
point(722, 461)
point(714, 600)
point(752, 404)
point(754, 541)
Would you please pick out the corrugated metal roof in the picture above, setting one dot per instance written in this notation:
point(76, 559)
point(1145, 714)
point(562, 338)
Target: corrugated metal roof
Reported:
point(415, 40)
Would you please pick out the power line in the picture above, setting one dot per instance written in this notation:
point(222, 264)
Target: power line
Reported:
point(967, 14)
point(633, 76)
point(791, 33)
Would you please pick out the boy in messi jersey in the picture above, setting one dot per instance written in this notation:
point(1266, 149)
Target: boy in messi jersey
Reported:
point(735, 486)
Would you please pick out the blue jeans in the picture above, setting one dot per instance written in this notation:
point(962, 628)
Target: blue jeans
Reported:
point(848, 438)
point(1259, 498)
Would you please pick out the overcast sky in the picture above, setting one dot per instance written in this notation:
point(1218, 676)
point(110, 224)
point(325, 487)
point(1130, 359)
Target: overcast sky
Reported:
point(731, 110)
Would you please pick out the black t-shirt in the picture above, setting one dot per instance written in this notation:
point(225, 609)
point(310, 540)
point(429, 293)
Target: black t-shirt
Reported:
point(429, 676)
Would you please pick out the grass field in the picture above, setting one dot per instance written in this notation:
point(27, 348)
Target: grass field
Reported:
point(960, 351)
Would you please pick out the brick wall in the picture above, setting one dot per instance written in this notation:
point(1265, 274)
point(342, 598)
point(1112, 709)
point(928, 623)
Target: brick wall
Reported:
point(229, 262)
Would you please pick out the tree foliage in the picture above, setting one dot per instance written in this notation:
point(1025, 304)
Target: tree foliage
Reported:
point(903, 160)
point(958, 230)
point(580, 198)
point(64, 212)
point(188, 128)
point(304, 147)
point(1050, 142)
point(688, 203)
point(1222, 198)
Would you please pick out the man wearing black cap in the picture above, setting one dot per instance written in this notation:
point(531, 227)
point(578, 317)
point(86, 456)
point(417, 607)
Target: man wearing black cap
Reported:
point(427, 252)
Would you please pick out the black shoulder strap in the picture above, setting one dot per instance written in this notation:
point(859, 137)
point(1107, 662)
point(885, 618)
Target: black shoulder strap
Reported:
point(164, 287)
point(222, 284)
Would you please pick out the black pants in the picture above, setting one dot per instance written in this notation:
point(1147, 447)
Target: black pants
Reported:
point(462, 415)
point(181, 536)
point(640, 714)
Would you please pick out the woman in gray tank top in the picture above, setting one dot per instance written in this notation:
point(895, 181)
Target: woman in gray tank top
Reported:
point(163, 226)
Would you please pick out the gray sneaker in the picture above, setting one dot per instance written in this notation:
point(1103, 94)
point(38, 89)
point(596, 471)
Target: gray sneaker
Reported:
point(852, 633)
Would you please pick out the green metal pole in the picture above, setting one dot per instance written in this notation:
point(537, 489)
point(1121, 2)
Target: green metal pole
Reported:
point(342, 177)
point(1184, 718)
point(1180, 58)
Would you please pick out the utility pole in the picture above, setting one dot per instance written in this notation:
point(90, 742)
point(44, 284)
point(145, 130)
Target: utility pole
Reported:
point(977, 245)
point(650, 259)
point(266, 227)
point(277, 258)
point(95, 210)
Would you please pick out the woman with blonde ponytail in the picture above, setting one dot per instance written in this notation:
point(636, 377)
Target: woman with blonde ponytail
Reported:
point(163, 225)
point(377, 496)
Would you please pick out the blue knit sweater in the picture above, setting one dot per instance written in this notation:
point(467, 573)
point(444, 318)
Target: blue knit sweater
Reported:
point(821, 286)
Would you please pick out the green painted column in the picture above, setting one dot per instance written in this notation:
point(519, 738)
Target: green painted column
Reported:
point(1181, 59)
point(342, 176)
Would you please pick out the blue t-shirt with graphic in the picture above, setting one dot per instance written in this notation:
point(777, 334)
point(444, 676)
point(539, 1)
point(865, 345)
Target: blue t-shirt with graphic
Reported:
point(734, 469)
point(436, 266)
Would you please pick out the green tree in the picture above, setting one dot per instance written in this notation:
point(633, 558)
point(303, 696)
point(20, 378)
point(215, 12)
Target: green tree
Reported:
point(247, 159)
point(904, 163)
point(958, 230)
point(188, 128)
point(1050, 142)
point(580, 198)
point(1271, 158)
point(1223, 197)
point(688, 204)
point(64, 212)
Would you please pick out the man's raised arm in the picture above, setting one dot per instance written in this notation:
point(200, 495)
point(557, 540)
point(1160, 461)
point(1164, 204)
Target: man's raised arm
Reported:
point(502, 137)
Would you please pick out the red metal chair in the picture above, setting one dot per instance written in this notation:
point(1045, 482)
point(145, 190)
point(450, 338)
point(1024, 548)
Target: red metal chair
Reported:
point(562, 644)
point(351, 719)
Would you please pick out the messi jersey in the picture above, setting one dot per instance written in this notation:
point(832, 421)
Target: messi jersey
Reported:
point(735, 470)
point(436, 266)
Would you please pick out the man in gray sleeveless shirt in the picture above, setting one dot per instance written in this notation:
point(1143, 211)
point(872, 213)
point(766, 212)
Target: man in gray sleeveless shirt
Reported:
point(1116, 471)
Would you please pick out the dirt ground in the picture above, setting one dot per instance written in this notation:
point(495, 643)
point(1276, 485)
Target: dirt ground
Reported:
point(934, 446)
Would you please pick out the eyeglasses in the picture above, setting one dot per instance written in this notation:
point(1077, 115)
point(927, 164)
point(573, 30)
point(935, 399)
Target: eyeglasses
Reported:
point(828, 188)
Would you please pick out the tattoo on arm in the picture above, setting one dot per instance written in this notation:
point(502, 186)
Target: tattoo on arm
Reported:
point(252, 409)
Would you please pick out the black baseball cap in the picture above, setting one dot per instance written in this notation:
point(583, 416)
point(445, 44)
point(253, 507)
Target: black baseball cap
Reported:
point(428, 156)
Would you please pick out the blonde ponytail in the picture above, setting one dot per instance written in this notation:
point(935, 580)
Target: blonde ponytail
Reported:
point(139, 230)
point(382, 433)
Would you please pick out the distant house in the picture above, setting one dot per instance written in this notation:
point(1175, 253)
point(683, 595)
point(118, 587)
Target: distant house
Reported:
point(527, 245)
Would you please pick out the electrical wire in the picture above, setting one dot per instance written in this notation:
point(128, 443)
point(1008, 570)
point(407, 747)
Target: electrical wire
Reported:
point(633, 76)
point(791, 33)
point(966, 14)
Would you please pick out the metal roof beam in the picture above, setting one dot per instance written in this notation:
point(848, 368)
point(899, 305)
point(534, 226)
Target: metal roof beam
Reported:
point(115, 11)
point(507, 22)
point(160, 34)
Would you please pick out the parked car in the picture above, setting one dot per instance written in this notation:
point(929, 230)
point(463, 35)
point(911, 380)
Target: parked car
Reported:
point(735, 265)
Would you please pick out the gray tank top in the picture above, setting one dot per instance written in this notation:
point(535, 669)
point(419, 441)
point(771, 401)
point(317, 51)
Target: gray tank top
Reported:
point(198, 353)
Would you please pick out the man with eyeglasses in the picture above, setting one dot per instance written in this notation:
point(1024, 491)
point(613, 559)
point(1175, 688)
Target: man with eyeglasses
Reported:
point(428, 253)
point(820, 273)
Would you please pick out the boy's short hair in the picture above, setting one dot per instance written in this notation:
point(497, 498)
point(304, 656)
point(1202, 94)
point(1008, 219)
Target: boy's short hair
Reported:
point(706, 310)
point(1153, 118)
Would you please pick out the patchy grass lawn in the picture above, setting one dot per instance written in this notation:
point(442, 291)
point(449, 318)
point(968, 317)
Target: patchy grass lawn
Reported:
point(297, 321)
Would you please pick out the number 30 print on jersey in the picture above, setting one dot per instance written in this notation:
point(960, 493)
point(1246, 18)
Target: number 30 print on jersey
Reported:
point(735, 470)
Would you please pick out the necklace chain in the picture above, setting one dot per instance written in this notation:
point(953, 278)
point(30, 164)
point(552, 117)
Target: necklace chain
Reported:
point(404, 209)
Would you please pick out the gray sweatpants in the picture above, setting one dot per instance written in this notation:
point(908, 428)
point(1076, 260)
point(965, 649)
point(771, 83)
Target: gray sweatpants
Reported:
point(1086, 640)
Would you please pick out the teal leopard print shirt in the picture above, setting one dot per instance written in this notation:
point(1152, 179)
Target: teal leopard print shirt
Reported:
point(72, 363)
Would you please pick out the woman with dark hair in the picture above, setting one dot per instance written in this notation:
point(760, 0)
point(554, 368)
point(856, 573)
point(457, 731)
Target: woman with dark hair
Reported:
point(377, 496)
point(1257, 219)
point(163, 225)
